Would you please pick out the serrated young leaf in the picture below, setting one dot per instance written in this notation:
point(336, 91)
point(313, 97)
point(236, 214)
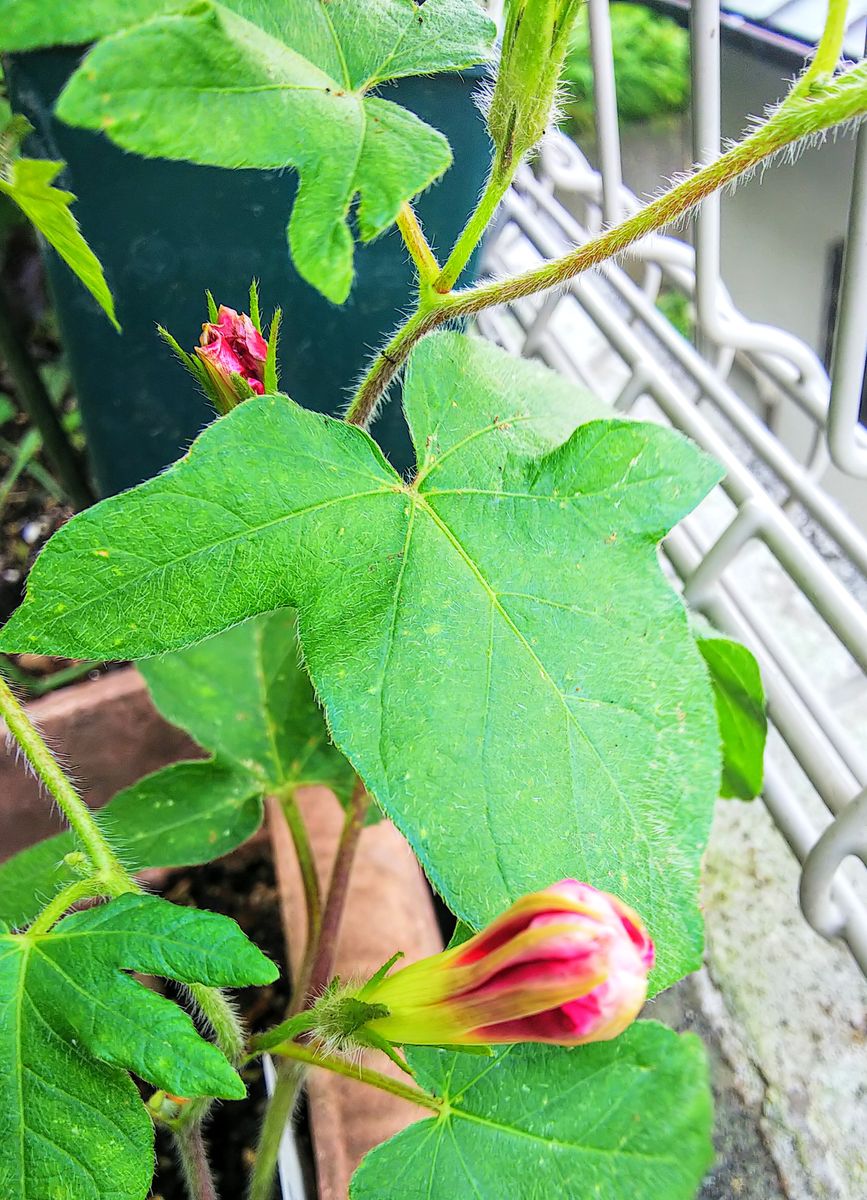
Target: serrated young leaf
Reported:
point(743, 722)
point(188, 813)
point(500, 657)
point(71, 1017)
point(181, 86)
point(29, 185)
point(628, 1118)
point(242, 695)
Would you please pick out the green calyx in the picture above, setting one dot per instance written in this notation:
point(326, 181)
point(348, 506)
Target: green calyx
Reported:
point(535, 41)
point(340, 1017)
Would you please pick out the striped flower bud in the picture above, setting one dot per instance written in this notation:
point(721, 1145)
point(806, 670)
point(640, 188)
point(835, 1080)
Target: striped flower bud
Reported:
point(566, 965)
point(233, 353)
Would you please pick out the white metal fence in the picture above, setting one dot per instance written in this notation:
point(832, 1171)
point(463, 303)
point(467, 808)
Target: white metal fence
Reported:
point(770, 557)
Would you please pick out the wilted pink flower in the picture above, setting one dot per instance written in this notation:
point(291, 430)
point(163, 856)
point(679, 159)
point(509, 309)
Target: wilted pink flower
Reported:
point(567, 965)
point(233, 346)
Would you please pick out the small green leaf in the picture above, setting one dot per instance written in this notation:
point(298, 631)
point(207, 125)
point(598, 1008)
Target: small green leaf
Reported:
point(628, 1118)
point(73, 1022)
point(28, 184)
point(740, 707)
point(188, 813)
point(183, 86)
point(498, 652)
point(244, 696)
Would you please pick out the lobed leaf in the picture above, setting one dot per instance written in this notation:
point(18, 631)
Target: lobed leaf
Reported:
point(73, 1022)
point(243, 85)
point(498, 653)
point(630, 1117)
point(28, 182)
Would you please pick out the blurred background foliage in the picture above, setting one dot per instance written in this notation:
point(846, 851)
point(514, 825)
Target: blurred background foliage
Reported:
point(651, 67)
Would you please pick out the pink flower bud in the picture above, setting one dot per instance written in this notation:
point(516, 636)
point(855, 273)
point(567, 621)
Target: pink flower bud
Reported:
point(567, 965)
point(232, 346)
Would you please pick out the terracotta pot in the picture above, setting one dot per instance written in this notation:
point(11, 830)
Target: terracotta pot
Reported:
point(108, 734)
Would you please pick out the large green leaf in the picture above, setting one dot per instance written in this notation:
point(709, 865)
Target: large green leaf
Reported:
point(73, 1022)
point(28, 182)
point(740, 706)
point(244, 696)
point(628, 1118)
point(498, 652)
point(250, 85)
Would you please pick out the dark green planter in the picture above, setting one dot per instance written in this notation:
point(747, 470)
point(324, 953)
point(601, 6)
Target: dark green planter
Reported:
point(165, 231)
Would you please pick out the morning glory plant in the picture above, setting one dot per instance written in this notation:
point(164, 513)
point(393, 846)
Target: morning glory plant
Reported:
point(486, 652)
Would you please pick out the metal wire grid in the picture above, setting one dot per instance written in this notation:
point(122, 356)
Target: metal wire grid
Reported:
point(606, 331)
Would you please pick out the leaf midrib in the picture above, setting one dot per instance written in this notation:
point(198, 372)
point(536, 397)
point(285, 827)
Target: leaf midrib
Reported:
point(573, 1147)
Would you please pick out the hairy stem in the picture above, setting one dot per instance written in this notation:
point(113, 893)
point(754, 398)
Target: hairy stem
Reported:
point(290, 1076)
point(794, 120)
point(419, 247)
point(81, 820)
point(407, 1091)
point(193, 1155)
point(220, 1014)
point(471, 235)
point(388, 362)
point(82, 889)
point(322, 964)
point(109, 877)
point(797, 118)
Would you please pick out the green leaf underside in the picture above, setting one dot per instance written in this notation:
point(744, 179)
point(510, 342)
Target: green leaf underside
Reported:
point(497, 650)
point(245, 696)
point(743, 722)
point(630, 1117)
point(29, 185)
point(71, 1122)
point(248, 85)
point(242, 695)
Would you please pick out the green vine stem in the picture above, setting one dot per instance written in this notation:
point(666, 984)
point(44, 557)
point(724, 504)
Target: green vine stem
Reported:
point(797, 118)
point(322, 962)
point(108, 875)
point(828, 51)
point(309, 880)
point(290, 1076)
point(406, 1091)
point(193, 1156)
point(112, 875)
point(495, 189)
point(220, 1014)
point(417, 244)
point(82, 889)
